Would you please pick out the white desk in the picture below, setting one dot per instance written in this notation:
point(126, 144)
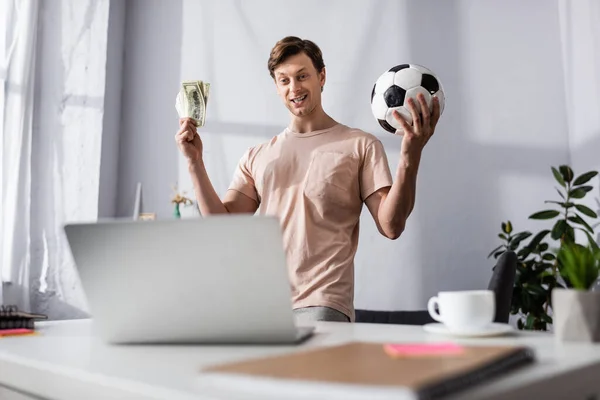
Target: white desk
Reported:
point(66, 362)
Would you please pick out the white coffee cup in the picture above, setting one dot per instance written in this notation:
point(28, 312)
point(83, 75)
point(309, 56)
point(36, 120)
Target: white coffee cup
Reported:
point(463, 310)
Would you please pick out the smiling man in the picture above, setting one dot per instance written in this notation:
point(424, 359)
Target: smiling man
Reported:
point(315, 176)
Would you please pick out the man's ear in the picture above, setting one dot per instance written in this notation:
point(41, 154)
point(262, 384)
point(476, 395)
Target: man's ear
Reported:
point(322, 76)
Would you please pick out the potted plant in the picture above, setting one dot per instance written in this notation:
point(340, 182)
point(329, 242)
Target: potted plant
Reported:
point(537, 269)
point(577, 308)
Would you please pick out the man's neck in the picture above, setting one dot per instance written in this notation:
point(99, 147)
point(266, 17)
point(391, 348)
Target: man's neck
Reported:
point(316, 121)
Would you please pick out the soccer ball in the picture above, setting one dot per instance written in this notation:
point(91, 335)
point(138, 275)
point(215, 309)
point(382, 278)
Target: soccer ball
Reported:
point(393, 89)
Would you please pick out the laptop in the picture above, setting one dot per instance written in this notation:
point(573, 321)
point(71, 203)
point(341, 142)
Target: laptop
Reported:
point(219, 279)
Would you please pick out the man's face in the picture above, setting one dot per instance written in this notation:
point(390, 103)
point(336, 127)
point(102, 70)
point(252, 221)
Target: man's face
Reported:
point(299, 84)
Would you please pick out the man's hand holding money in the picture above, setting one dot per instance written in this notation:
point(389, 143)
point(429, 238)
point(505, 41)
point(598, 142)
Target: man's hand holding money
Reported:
point(188, 140)
point(190, 104)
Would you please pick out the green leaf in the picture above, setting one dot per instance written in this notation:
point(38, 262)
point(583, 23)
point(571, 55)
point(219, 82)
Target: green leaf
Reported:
point(546, 318)
point(513, 246)
point(536, 290)
point(525, 301)
point(569, 234)
point(592, 243)
point(566, 172)
point(495, 250)
point(561, 203)
point(519, 237)
point(579, 193)
point(508, 227)
point(586, 210)
point(578, 265)
point(578, 220)
point(583, 178)
point(524, 252)
point(502, 236)
point(504, 227)
point(548, 279)
point(546, 275)
point(537, 239)
point(560, 193)
point(498, 253)
point(530, 321)
point(558, 177)
point(559, 229)
point(576, 194)
point(547, 214)
point(548, 257)
point(545, 266)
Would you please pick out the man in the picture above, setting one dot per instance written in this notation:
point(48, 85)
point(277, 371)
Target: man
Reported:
point(315, 176)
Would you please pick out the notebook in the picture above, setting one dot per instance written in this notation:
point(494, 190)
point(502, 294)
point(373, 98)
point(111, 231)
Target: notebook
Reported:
point(12, 318)
point(428, 375)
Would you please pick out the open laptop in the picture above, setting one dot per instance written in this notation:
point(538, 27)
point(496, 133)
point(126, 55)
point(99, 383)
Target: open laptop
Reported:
point(220, 279)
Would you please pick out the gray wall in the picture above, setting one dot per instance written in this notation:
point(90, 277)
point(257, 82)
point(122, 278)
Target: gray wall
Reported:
point(147, 151)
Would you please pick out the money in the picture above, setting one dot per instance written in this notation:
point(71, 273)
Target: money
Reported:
point(191, 101)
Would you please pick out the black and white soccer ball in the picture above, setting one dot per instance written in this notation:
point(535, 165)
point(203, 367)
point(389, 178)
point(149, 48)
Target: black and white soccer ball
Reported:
point(395, 86)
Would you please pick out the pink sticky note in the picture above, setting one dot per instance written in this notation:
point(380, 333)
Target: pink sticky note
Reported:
point(13, 332)
point(422, 349)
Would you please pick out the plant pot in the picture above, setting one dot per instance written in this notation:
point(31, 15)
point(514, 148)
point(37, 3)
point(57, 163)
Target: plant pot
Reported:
point(576, 315)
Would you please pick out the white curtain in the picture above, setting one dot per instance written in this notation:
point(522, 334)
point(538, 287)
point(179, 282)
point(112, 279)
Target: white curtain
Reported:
point(17, 49)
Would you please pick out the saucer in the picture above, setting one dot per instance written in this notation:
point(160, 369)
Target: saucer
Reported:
point(493, 329)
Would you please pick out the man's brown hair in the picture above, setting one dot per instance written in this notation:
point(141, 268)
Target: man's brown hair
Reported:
point(290, 46)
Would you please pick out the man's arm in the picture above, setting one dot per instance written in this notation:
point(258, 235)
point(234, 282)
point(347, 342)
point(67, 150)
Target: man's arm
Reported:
point(391, 206)
point(208, 200)
point(191, 147)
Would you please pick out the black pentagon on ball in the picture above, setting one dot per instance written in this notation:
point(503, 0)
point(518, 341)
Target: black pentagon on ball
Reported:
point(394, 96)
point(373, 93)
point(384, 124)
point(429, 83)
point(399, 67)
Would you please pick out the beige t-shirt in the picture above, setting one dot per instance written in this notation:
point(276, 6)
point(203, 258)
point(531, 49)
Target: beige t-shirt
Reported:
point(316, 184)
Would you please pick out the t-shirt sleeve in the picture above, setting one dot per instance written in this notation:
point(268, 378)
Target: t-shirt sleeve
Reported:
point(243, 181)
point(375, 173)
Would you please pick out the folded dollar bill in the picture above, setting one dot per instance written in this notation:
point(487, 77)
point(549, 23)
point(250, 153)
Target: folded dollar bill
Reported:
point(191, 101)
